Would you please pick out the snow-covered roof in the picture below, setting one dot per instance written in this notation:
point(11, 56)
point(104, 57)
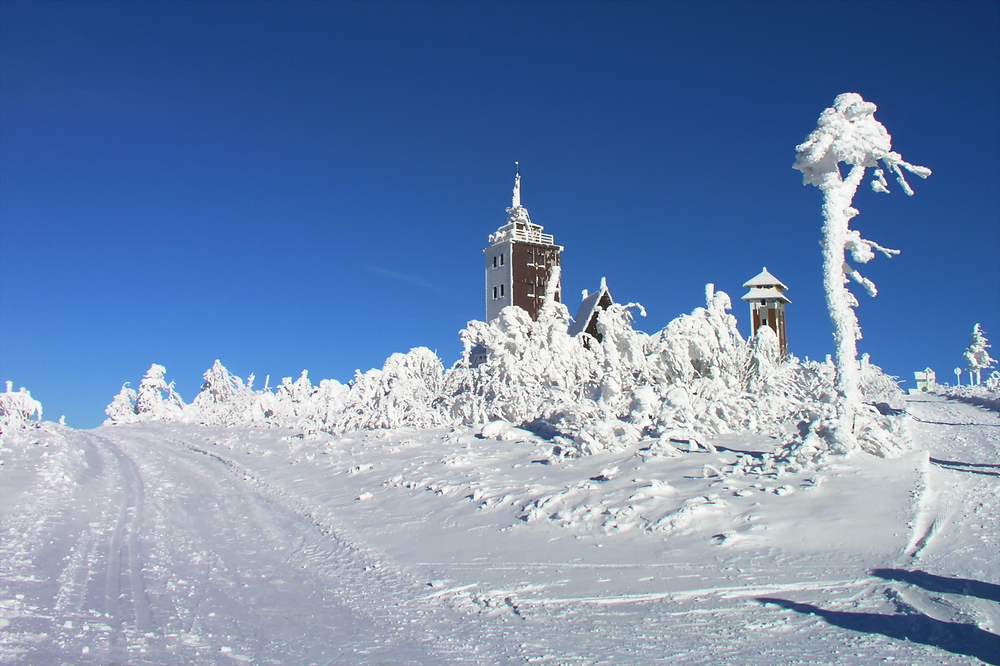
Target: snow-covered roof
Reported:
point(588, 308)
point(770, 293)
point(764, 279)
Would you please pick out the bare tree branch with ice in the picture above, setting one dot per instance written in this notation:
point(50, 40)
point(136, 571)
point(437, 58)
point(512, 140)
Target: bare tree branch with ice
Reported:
point(848, 132)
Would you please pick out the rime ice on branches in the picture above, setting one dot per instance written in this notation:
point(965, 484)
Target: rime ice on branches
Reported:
point(848, 132)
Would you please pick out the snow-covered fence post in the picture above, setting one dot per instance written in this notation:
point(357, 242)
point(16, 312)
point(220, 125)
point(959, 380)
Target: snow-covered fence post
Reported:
point(847, 132)
point(958, 376)
point(977, 357)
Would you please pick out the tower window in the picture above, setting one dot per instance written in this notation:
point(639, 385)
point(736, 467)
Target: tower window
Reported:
point(501, 291)
point(531, 258)
point(494, 293)
point(531, 287)
point(501, 263)
point(494, 262)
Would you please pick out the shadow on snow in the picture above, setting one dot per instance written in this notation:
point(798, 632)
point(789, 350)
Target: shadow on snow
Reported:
point(932, 583)
point(964, 467)
point(954, 637)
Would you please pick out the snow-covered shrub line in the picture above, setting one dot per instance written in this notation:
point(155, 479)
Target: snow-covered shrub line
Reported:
point(696, 377)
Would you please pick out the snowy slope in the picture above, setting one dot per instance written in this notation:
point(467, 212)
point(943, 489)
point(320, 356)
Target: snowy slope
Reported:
point(169, 543)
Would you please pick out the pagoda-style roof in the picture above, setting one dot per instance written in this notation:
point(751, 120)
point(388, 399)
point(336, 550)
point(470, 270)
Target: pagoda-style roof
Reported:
point(765, 286)
point(769, 293)
point(764, 279)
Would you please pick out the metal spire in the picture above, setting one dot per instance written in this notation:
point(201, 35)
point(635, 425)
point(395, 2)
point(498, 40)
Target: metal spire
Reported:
point(515, 201)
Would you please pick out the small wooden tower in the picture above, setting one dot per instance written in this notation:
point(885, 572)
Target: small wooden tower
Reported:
point(519, 261)
point(767, 306)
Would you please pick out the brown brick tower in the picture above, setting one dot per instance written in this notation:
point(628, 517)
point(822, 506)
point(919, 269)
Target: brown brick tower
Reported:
point(519, 262)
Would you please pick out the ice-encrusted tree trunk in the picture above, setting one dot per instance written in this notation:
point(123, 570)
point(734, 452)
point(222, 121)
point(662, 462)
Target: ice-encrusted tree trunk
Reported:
point(976, 356)
point(847, 132)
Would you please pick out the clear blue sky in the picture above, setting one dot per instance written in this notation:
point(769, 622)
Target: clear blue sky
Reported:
point(310, 185)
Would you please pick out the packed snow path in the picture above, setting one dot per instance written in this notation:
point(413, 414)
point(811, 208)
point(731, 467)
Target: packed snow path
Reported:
point(164, 544)
point(134, 550)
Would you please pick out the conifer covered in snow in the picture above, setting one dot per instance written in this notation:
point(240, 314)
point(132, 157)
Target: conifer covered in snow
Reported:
point(976, 356)
point(848, 132)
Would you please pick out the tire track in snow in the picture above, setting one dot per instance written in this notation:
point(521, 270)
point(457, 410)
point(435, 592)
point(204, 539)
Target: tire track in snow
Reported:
point(73, 537)
point(385, 599)
point(124, 553)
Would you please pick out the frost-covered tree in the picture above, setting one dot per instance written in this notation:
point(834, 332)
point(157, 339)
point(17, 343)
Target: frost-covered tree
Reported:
point(993, 382)
point(17, 408)
point(976, 356)
point(156, 400)
point(122, 407)
point(848, 132)
point(402, 393)
point(224, 398)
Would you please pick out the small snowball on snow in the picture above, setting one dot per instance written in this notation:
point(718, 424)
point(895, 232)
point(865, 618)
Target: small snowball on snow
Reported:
point(365, 496)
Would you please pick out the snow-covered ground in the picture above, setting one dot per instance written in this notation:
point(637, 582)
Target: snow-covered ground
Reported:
point(166, 543)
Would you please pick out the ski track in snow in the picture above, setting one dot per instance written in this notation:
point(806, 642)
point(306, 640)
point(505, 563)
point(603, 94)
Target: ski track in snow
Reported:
point(173, 544)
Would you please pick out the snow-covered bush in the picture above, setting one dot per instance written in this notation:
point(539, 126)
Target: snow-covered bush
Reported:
point(691, 380)
point(17, 408)
point(848, 132)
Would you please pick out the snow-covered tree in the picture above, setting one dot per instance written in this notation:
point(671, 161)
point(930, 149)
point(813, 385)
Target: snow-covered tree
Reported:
point(848, 132)
point(993, 382)
point(402, 393)
point(156, 400)
point(122, 407)
point(976, 356)
point(17, 408)
point(224, 398)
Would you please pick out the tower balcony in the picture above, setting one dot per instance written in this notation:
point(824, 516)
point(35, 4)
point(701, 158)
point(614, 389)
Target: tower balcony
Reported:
point(523, 235)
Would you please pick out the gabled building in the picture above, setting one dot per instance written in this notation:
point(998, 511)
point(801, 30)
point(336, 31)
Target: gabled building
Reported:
point(767, 306)
point(519, 262)
point(586, 316)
